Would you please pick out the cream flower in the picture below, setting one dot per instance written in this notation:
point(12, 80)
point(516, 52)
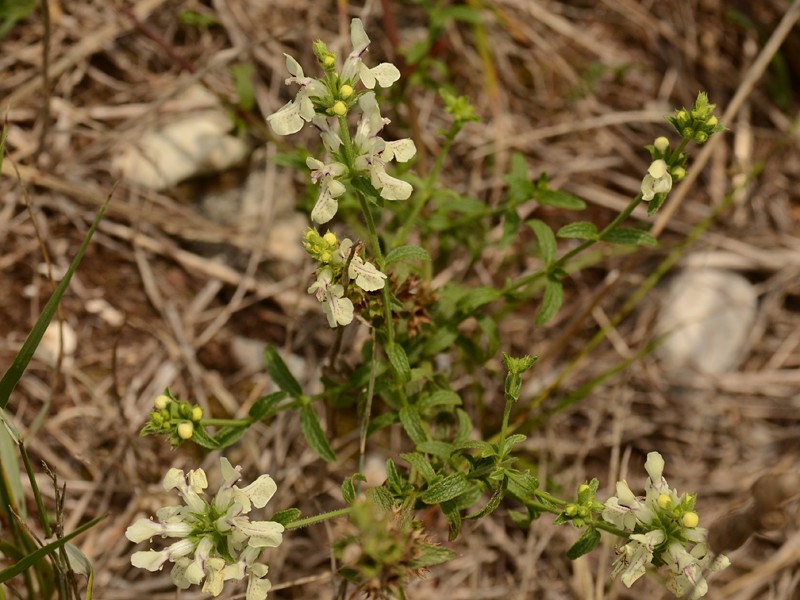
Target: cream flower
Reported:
point(657, 181)
point(385, 74)
point(293, 115)
point(366, 275)
point(329, 188)
point(217, 539)
point(338, 309)
point(373, 152)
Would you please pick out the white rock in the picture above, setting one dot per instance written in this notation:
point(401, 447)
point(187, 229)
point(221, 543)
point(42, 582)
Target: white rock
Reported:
point(192, 144)
point(48, 348)
point(708, 315)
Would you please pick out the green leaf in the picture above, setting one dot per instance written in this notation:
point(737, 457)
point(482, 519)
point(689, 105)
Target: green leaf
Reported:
point(439, 398)
point(421, 464)
point(585, 544)
point(397, 356)
point(409, 417)
point(520, 187)
point(551, 302)
point(406, 254)
point(546, 239)
point(477, 298)
point(201, 438)
point(285, 517)
point(381, 497)
point(314, 435)
point(280, 373)
point(453, 516)
point(23, 357)
point(266, 406)
point(429, 555)
point(582, 230)
point(630, 237)
point(445, 489)
point(520, 519)
point(349, 487)
point(511, 221)
point(511, 441)
point(381, 421)
point(437, 448)
point(493, 503)
point(655, 204)
point(521, 485)
point(227, 436)
point(558, 199)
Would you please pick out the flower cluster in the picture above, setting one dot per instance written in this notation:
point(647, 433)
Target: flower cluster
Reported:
point(325, 103)
point(662, 525)
point(217, 541)
point(698, 123)
point(340, 263)
point(176, 419)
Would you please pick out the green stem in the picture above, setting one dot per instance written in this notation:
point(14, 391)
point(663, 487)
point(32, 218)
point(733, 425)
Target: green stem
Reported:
point(372, 232)
point(226, 422)
point(318, 518)
point(528, 279)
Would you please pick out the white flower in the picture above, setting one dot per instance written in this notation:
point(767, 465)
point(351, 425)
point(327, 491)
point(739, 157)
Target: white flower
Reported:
point(373, 152)
point(657, 181)
point(661, 525)
point(212, 548)
point(291, 117)
point(385, 74)
point(329, 188)
point(366, 275)
point(338, 309)
point(625, 510)
point(635, 555)
point(686, 569)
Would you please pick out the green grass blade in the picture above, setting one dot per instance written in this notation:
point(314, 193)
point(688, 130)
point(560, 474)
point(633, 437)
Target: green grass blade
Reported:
point(17, 368)
point(39, 554)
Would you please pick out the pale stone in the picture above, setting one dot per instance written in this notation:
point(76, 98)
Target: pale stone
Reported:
point(707, 315)
point(196, 143)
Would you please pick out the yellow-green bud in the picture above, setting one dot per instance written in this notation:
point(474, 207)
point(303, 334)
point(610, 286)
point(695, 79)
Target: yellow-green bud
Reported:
point(583, 488)
point(678, 173)
point(701, 137)
point(664, 500)
point(162, 401)
point(570, 510)
point(197, 413)
point(690, 520)
point(712, 121)
point(339, 108)
point(661, 144)
point(328, 60)
point(346, 91)
point(330, 238)
point(185, 430)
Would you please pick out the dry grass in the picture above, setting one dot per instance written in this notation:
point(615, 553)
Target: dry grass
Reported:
point(579, 87)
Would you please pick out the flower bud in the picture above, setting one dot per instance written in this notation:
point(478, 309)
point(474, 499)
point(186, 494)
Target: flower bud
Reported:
point(346, 91)
point(197, 413)
point(661, 144)
point(330, 238)
point(339, 108)
point(678, 173)
point(690, 520)
point(162, 401)
point(664, 500)
point(701, 137)
point(185, 430)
